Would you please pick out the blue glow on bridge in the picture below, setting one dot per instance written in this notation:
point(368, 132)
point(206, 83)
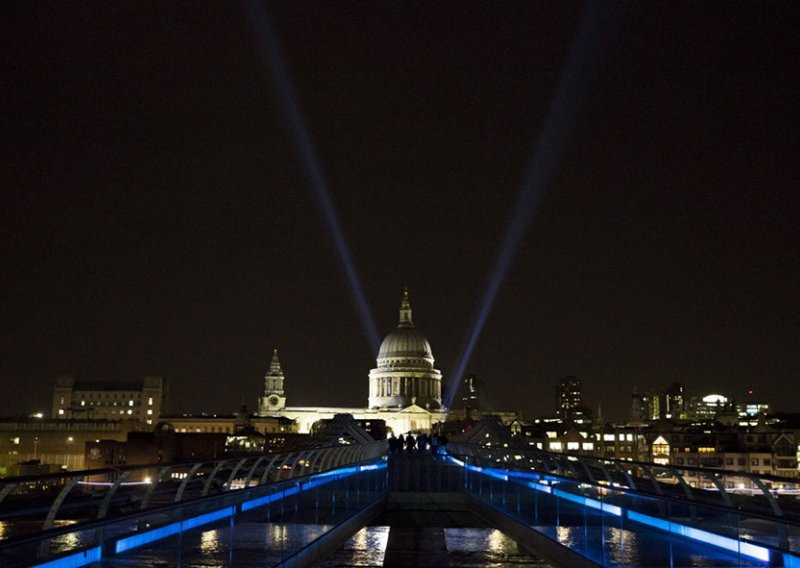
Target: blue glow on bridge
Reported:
point(738, 546)
point(137, 540)
point(83, 558)
point(147, 537)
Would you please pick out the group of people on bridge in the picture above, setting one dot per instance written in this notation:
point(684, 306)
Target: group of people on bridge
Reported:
point(422, 442)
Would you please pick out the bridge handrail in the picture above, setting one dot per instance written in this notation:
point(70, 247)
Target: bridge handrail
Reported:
point(478, 451)
point(95, 523)
point(562, 455)
point(116, 476)
point(116, 469)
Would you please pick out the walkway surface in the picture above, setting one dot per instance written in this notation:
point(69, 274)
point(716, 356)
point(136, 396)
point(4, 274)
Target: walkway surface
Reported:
point(426, 523)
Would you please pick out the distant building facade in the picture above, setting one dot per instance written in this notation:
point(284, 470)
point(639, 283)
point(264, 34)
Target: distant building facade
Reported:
point(472, 398)
point(58, 443)
point(674, 405)
point(569, 393)
point(644, 407)
point(141, 400)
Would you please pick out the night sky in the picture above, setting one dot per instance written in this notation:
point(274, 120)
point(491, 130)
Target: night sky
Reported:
point(155, 217)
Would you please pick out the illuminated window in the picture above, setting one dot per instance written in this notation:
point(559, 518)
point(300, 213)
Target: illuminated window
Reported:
point(62, 400)
point(608, 437)
point(150, 411)
point(660, 450)
point(629, 437)
point(130, 411)
point(588, 446)
point(130, 403)
point(83, 403)
point(150, 401)
point(555, 446)
point(61, 411)
point(573, 445)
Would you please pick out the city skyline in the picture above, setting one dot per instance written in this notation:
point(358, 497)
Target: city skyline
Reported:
point(157, 219)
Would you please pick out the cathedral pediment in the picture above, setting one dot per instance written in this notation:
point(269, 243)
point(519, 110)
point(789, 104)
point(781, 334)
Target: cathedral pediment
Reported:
point(413, 408)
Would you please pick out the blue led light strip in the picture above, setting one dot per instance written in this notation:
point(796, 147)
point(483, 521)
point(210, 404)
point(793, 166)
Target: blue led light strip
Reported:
point(727, 543)
point(142, 538)
point(82, 558)
point(790, 560)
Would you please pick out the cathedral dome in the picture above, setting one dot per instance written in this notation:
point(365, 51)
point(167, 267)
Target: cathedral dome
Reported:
point(405, 342)
point(405, 345)
point(405, 375)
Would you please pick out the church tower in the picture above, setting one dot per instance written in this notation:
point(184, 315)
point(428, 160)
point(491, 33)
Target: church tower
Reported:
point(274, 398)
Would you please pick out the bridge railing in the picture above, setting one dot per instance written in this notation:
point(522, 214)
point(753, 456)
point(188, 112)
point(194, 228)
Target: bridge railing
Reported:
point(57, 507)
point(760, 494)
point(36, 503)
point(621, 518)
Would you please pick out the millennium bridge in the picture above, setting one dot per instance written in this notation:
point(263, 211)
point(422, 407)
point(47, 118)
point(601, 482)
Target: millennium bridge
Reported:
point(477, 502)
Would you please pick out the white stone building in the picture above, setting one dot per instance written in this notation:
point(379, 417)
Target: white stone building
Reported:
point(405, 389)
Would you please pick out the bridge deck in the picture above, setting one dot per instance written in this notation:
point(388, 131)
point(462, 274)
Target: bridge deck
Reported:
point(427, 522)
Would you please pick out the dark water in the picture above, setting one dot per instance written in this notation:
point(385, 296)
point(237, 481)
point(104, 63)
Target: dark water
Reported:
point(254, 545)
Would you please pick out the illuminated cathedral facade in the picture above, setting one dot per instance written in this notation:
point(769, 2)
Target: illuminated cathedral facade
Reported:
point(405, 390)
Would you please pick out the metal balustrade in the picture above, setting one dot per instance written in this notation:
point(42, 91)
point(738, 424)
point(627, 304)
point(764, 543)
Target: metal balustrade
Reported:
point(755, 493)
point(51, 515)
point(593, 504)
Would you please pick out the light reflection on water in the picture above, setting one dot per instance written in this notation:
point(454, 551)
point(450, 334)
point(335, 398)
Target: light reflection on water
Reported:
point(490, 548)
point(210, 542)
point(569, 536)
point(365, 548)
point(250, 545)
point(11, 529)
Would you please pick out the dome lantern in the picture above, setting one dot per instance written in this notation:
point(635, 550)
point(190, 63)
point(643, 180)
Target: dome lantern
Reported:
point(405, 311)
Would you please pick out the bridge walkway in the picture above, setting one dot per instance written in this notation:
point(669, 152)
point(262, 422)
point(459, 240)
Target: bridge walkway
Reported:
point(427, 522)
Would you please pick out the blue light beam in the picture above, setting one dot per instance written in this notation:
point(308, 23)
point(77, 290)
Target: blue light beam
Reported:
point(270, 52)
point(595, 28)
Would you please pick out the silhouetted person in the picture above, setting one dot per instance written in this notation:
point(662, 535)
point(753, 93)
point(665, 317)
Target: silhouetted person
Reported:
point(442, 444)
point(410, 443)
point(435, 445)
point(401, 443)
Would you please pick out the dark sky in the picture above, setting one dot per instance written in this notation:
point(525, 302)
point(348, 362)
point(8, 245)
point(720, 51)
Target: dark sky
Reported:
point(155, 217)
